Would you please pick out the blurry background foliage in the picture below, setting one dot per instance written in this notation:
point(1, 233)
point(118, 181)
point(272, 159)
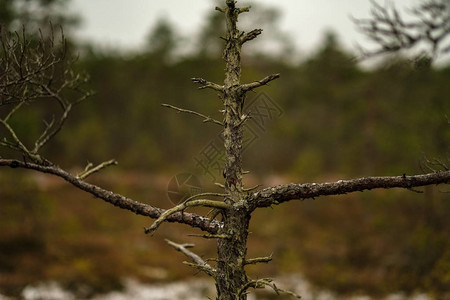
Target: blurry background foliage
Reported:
point(339, 121)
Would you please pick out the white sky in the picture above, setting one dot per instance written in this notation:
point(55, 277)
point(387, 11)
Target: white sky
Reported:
point(124, 24)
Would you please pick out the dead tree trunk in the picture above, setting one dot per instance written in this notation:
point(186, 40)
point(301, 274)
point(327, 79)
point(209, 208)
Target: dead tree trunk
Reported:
point(232, 248)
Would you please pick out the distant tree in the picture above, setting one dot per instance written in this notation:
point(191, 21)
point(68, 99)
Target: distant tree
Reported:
point(29, 76)
point(162, 40)
point(426, 31)
point(35, 14)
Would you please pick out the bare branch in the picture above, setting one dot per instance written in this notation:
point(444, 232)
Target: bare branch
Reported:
point(48, 134)
point(17, 143)
point(434, 164)
point(199, 263)
point(89, 170)
point(257, 260)
point(219, 185)
point(204, 195)
point(30, 73)
point(220, 9)
point(252, 188)
point(182, 206)
point(251, 86)
point(282, 193)
point(118, 200)
point(214, 213)
point(244, 9)
point(211, 236)
point(249, 36)
point(262, 283)
point(206, 119)
point(208, 85)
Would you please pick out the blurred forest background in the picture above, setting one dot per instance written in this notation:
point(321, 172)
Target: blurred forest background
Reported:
point(335, 120)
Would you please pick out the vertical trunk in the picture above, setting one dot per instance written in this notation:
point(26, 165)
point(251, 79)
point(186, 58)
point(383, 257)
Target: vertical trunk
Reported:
point(231, 277)
point(232, 101)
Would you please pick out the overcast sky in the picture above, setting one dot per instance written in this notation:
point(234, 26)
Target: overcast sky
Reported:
point(124, 24)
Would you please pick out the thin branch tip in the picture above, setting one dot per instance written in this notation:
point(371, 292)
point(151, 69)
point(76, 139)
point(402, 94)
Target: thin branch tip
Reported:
point(198, 262)
point(206, 119)
point(245, 9)
point(90, 169)
point(220, 9)
point(251, 86)
point(207, 85)
point(258, 260)
point(250, 35)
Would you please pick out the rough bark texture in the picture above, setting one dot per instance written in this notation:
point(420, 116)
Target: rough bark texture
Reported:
point(283, 193)
point(231, 277)
point(233, 98)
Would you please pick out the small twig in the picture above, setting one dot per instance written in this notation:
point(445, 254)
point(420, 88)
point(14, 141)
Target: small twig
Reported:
point(249, 35)
point(199, 263)
point(215, 213)
point(89, 170)
point(415, 191)
point(205, 195)
point(252, 188)
point(13, 111)
point(219, 185)
point(258, 260)
point(206, 119)
point(182, 207)
point(18, 144)
point(211, 236)
point(262, 283)
point(47, 135)
point(244, 118)
point(88, 166)
point(244, 9)
point(251, 86)
point(200, 268)
point(208, 85)
point(220, 9)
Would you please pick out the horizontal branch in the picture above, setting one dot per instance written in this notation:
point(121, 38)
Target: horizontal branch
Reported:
point(250, 35)
point(208, 85)
point(283, 193)
point(206, 119)
point(211, 236)
point(199, 263)
point(118, 200)
point(222, 10)
point(244, 9)
point(251, 86)
point(258, 260)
